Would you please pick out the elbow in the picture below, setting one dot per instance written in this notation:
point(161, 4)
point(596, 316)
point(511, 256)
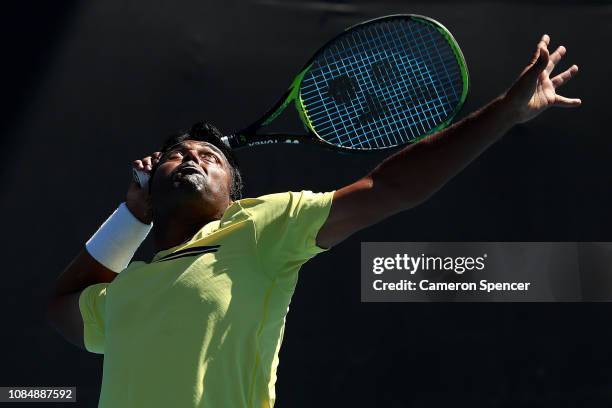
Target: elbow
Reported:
point(63, 322)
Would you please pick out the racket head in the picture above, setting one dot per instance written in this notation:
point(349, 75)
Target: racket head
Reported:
point(382, 83)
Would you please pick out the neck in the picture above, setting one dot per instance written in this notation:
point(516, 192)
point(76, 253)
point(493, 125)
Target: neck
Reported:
point(174, 229)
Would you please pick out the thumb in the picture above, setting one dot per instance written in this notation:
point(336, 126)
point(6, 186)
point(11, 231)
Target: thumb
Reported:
point(538, 64)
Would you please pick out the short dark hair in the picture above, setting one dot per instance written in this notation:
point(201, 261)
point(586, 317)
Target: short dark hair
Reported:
point(205, 132)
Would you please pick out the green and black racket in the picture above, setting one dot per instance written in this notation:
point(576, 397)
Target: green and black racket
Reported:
point(379, 84)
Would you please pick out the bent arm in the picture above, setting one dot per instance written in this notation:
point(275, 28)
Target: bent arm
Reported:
point(63, 311)
point(63, 306)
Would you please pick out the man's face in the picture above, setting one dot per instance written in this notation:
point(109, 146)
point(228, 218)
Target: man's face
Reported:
point(192, 172)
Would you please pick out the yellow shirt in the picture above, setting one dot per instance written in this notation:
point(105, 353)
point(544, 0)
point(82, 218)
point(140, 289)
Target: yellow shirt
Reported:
point(202, 323)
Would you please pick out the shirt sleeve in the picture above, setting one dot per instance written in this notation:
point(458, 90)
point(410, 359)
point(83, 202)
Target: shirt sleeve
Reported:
point(92, 304)
point(286, 226)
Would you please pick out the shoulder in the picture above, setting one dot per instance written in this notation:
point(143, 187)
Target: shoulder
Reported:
point(289, 203)
point(289, 199)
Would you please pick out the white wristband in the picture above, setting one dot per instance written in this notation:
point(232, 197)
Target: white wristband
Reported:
point(116, 241)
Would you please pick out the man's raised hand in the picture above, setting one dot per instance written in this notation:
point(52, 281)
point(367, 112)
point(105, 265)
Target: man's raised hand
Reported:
point(535, 90)
point(137, 199)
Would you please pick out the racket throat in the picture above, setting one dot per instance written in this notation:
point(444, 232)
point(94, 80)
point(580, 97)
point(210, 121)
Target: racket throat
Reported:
point(241, 140)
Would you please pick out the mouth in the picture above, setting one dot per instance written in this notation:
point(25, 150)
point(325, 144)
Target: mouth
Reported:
point(182, 171)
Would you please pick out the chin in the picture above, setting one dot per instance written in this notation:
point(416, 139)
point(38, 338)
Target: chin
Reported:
point(191, 182)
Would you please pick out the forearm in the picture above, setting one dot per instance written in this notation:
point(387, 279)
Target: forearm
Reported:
point(82, 272)
point(413, 174)
point(106, 254)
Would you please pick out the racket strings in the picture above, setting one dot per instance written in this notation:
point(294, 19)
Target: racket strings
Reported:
point(413, 69)
point(382, 85)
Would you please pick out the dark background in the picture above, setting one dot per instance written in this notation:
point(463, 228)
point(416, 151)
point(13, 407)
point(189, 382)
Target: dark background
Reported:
point(89, 86)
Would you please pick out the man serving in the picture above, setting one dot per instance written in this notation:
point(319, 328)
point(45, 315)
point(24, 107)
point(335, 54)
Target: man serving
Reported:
point(201, 324)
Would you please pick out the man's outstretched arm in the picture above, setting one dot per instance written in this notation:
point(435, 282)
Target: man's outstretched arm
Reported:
point(433, 161)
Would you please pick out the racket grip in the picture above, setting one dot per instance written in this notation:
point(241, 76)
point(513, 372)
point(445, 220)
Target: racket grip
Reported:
point(140, 177)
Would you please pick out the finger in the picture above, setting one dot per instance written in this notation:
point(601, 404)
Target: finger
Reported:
point(555, 57)
point(565, 76)
point(564, 102)
point(540, 63)
point(156, 156)
point(147, 162)
point(536, 54)
point(544, 41)
point(137, 164)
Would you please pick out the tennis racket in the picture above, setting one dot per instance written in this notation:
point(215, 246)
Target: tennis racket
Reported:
point(379, 84)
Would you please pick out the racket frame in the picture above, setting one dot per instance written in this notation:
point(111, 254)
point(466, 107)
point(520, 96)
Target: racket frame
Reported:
point(249, 137)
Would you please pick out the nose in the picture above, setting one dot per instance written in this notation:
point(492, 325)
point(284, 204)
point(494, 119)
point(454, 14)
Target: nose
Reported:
point(192, 155)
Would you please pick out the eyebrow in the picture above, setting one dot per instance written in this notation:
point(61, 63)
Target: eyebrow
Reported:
point(180, 145)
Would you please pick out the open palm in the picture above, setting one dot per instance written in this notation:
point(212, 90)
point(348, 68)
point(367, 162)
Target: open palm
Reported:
point(535, 90)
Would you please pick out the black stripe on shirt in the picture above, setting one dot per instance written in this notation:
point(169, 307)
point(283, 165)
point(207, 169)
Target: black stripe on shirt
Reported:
point(190, 252)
